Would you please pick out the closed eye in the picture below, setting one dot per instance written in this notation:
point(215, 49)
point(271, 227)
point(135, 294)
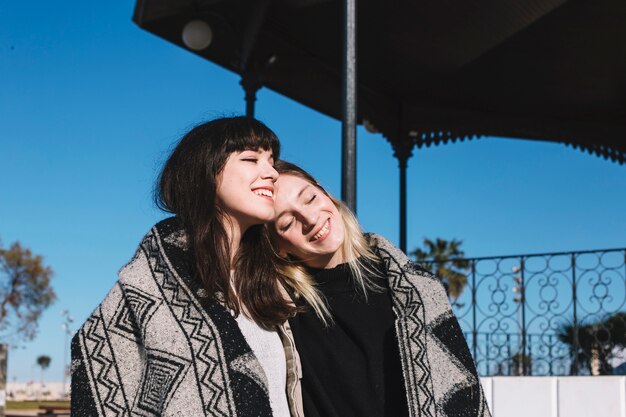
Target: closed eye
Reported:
point(287, 226)
point(312, 198)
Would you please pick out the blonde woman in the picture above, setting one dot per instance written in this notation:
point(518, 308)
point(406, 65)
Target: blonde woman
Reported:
point(378, 337)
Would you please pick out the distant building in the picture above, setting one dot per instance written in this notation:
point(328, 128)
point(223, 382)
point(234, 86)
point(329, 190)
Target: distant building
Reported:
point(32, 390)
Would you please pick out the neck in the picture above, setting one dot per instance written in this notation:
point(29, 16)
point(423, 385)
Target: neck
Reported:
point(326, 261)
point(234, 231)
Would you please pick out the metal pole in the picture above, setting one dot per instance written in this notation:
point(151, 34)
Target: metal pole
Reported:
point(508, 353)
point(250, 83)
point(576, 343)
point(250, 76)
point(65, 367)
point(402, 149)
point(68, 320)
point(250, 99)
point(487, 335)
point(523, 294)
point(474, 330)
point(4, 353)
point(403, 163)
point(349, 111)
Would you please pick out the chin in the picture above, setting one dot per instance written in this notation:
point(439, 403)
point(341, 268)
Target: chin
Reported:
point(267, 219)
point(262, 219)
point(331, 245)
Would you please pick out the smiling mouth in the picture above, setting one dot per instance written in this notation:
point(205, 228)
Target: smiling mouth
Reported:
point(264, 192)
point(322, 233)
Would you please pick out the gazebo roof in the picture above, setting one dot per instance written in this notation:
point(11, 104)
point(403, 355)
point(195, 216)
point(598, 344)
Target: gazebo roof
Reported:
point(432, 71)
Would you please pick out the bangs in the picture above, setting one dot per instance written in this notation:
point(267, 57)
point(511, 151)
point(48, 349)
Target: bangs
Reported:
point(252, 136)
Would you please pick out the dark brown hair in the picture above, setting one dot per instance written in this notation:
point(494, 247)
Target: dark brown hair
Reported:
point(187, 187)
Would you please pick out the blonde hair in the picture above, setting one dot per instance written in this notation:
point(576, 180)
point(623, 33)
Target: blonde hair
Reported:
point(355, 250)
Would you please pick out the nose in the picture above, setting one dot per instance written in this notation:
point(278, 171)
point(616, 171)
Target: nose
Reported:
point(309, 217)
point(269, 172)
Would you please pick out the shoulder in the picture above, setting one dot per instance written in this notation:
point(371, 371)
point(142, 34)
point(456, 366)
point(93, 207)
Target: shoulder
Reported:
point(394, 258)
point(171, 232)
point(167, 241)
point(385, 249)
point(414, 288)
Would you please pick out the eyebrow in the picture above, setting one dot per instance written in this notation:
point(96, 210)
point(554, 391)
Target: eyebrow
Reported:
point(303, 190)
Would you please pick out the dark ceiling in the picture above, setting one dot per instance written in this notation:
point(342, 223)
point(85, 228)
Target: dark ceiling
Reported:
point(432, 71)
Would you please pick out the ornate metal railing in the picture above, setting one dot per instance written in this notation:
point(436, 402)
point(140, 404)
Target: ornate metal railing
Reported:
point(545, 314)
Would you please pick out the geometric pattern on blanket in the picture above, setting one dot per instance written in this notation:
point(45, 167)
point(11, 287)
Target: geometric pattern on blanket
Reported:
point(94, 342)
point(199, 330)
point(137, 306)
point(162, 375)
point(411, 331)
point(153, 348)
point(439, 372)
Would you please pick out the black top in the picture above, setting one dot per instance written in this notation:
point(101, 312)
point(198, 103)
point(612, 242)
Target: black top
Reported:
point(352, 368)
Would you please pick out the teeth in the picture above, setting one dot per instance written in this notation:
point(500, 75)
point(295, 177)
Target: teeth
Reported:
point(322, 231)
point(264, 192)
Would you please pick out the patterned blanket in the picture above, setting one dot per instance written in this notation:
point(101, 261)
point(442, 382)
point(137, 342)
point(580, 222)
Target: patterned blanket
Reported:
point(439, 373)
point(156, 347)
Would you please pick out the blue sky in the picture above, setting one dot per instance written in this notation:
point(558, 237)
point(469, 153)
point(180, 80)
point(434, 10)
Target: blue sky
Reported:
point(90, 105)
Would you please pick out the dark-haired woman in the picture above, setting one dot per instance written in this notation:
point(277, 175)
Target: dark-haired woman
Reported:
point(196, 323)
point(380, 338)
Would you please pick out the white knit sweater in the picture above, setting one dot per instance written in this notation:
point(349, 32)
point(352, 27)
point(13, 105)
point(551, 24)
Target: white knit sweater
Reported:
point(268, 349)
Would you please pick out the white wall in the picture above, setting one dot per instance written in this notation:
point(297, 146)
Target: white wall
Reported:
point(530, 396)
point(567, 396)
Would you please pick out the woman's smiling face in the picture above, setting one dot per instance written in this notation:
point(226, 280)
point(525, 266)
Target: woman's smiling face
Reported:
point(307, 223)
point(245, 189)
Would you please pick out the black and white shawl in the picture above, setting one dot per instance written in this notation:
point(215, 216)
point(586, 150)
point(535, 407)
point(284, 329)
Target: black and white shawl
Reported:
point(439, 372)
point(156, 347)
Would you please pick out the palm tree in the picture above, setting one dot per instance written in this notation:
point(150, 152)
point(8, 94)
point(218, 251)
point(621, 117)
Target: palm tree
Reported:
point(43, 361)
point(445, 259)
point(591, 345)
point(520, 364)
